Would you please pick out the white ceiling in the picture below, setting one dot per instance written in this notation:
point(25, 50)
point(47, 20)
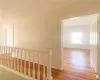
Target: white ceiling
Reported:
point(49, 4)
point(82, 20)
point(38, 4)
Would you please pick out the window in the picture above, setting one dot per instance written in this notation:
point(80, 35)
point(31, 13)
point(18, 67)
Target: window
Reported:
point(76, 37)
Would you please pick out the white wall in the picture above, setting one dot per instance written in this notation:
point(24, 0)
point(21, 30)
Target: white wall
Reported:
point(98, 47)
point(67, 37)
point(80, 20)
point(93, 46)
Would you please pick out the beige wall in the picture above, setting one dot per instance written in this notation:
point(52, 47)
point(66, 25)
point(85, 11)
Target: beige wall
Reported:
point(39, 35)
point(33, 29)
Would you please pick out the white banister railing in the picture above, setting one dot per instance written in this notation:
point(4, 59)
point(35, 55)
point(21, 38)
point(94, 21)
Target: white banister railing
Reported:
point(31, 63)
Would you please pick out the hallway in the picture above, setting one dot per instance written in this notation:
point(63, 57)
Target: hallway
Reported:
point(76, 66)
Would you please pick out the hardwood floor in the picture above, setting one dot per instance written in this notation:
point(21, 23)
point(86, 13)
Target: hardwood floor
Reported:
point(76, 66)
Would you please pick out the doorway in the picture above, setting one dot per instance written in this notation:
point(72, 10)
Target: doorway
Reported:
point(79, 43)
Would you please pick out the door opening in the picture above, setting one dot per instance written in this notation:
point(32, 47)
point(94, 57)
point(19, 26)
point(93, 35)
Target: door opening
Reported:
point(79, 41)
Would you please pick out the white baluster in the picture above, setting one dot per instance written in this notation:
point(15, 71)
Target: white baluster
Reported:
point(9, 57)
point(21, 61)
point(12, 58)
point(17, 60)
point(33, 68)
point(44, 76)
point(5, 56)
point(49, 77)
point(38, 66)
point(29, 65)
point(25, 63)
point(0, 55)
point(14, 53)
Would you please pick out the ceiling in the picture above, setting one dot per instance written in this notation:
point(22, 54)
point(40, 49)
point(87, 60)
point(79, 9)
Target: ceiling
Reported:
point(57, 7)
point(81, 20)
point(38, 3)
point(35, 5)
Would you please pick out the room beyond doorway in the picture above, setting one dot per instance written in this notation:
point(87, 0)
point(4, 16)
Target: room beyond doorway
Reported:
point(80, 33)
point(76, 32)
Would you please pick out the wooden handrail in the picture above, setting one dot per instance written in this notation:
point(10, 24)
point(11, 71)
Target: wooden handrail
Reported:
point(31, 50)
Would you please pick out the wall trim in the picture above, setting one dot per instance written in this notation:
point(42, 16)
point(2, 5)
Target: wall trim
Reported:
point(97, 77)
point(93, 66)
point(77, 46)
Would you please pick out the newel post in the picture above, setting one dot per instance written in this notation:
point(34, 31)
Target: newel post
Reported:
point(49, 68)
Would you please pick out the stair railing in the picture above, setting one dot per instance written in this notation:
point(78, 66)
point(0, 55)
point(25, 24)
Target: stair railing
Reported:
point(27, 62)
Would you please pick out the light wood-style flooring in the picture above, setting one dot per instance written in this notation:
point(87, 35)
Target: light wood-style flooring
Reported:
point(76, 66)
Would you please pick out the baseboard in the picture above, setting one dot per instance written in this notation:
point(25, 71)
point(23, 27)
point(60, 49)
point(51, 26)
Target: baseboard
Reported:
point(62, 68)
point(97, 77)
point(93, 66)
point(77, 46)
point(57, 68)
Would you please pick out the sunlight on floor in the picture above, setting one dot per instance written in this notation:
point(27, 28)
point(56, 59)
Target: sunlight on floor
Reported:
point(78, 58)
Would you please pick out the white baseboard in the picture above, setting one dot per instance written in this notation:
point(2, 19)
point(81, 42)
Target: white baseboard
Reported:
point(93, 66)
point(62, 68)
point(77, 46)
point(97, 77)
